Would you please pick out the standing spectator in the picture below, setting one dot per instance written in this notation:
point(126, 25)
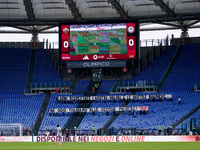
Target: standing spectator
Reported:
point(134, 114)
point(54, 133)
point(56, 90)
point(83, 133)
point(29, 129)
point(193, 129)
point(41, 112)
point(170, 130)
point(75, 134)
point(75, 128)
point(67, 89)
point(93, 130)
point(179, 100)
point(159, 129)
point(93, 89)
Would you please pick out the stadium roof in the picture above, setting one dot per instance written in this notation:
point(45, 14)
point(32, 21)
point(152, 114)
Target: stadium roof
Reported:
point(48, 13)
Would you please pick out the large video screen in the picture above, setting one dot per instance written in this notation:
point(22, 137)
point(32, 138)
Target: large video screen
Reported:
point(109, 41)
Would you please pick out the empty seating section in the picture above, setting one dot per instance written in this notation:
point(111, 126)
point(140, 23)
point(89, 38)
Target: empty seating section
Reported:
point(45, 71)
point(186, 70)
point(50, 121)
point(163, 113)
point(106, 85)
point(20, 109)
point(179, 83)
point(14, 107)
point(13, 69)
point(82, 86)
point(156, 70)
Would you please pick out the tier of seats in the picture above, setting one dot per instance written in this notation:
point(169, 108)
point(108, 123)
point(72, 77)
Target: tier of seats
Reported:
point(179, 83)
point(15, 107)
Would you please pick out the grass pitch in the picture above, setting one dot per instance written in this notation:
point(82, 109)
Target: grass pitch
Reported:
point(102, 146)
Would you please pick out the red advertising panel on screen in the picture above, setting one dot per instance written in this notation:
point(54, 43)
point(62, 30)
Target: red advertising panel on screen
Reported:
point(111, 41)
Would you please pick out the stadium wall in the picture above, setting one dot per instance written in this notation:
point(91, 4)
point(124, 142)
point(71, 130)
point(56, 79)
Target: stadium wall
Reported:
point(121, 139)
point(102, 139)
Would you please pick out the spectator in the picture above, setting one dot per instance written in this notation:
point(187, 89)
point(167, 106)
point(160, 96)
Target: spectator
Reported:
point(173, 132)
point(170, 130)
point(159, 129)
point(67, 89)
point(179, 100)
point(47, 133)
point(193, 129)
point(29, 129)
point(28, 133)
point(39, 133)
point(119, 133)
point(54, 133)
point(89, 134)
point(56, 90)
point(93, 129)
point(134, 114)
point(93, 89)
point(41, 112)
point(83, 133)
point(75, 134)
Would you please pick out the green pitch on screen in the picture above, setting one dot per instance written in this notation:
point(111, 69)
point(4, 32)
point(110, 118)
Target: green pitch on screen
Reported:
point(98, 42)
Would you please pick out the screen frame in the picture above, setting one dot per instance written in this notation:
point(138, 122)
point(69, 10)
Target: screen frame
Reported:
point(137, 35)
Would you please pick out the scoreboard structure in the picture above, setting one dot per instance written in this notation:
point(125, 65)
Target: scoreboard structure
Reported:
point(99, 45)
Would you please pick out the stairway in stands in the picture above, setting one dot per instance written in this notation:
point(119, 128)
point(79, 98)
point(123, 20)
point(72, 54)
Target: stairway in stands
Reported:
point(41, 113)
point(30, 71)
point(76, 118)
point(170, 67)
point(186, 116)
point(114, 117)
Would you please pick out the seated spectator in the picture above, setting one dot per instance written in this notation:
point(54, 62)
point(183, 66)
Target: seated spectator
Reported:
point(47, 133)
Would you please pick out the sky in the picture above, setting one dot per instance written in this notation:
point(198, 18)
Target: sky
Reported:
point(144, 35)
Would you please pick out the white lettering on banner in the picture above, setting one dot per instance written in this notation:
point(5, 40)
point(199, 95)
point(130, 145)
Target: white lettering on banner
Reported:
point(120, 138)
point(105, 109)
point(114, 97)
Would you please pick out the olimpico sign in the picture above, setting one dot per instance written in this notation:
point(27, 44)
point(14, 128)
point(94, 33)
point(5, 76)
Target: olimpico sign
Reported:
point(96, 64)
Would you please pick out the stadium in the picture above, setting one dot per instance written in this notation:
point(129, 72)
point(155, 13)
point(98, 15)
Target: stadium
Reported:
point(92, 82)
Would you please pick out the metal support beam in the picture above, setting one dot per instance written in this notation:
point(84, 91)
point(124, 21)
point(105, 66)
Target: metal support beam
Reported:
point(21, 28)
point(56, 32)
point(46, 28)
point(164, 7)
point(195, 22)
point(119, 8)
point(74, 9)
point(169, 24)
point(29, 10)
